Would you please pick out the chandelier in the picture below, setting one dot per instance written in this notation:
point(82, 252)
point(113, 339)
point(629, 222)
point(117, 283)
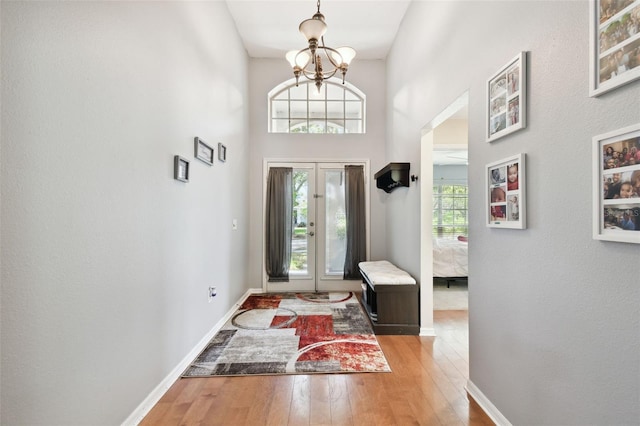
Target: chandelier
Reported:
point(309, 61)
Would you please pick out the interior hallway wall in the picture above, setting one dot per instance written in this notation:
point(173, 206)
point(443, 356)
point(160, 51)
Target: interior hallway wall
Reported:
point(554, 314)
point(106, 259)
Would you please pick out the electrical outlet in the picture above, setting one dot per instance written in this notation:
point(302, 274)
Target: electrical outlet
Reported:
point(212, 293)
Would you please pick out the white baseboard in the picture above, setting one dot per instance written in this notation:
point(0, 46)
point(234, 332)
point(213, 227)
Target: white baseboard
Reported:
point(152, 399)
point(427, 331)
point(486, 405)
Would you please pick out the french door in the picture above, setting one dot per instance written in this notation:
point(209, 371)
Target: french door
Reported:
point(318, 243)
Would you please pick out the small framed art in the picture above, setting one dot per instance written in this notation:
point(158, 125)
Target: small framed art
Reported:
point(616, 185)
point(614, 44)
point(506, 194)
point(203, 151)
point(181, 168)
point(222, 152)
point(506, 99)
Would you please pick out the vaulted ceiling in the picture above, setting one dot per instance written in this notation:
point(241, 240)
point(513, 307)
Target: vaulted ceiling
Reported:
point(269, 28)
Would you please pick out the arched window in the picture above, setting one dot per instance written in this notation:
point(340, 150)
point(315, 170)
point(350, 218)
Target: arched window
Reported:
point(338, 108)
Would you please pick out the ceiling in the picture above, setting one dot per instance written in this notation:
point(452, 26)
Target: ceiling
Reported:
point(269, 28)
point(450, 157)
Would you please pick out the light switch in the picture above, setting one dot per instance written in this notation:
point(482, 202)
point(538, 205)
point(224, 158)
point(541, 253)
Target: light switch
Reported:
point(234, 224)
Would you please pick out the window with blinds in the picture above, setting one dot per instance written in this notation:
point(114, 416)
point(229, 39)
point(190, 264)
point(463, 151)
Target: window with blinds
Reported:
point(450, 210)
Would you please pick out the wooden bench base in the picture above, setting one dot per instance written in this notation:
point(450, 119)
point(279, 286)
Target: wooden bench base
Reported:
point(392, 308)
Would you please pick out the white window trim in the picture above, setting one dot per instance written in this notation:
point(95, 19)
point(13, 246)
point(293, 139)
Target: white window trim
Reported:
point(450, 182)
point(291, 82)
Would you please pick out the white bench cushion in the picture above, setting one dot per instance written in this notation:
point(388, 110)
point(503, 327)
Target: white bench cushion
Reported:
point(385, 272)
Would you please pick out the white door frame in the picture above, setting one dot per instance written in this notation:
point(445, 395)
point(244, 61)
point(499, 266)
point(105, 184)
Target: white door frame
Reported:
point(351, 285)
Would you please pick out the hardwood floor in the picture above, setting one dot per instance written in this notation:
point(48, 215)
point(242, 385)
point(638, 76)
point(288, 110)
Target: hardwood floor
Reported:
point(426, 387)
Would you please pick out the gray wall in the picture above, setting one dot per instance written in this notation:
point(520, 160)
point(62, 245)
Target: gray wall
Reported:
point(264, 75)
point(554, 315)
point(106, 259)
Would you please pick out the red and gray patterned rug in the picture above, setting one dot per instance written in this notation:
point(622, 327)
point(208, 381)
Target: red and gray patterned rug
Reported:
point(293, 333)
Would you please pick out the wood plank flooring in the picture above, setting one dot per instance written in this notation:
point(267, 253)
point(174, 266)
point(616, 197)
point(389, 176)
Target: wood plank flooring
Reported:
point(426, 387)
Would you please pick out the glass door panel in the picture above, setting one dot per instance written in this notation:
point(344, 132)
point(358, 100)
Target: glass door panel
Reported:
point(300, 239)
point(332, 229)
point(335, 231)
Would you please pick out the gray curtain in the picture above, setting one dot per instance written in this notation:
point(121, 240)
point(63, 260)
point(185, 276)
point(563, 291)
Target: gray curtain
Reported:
point(356, 218)
point(279, 223)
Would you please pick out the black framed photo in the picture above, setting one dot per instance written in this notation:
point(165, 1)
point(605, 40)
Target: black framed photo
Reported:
point(203, 151)
point(614, 44)
point(222, 152)
point(181, 168)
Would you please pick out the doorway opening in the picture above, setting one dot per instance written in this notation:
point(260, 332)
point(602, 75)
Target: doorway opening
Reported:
point(444, 201)
point(318, 241)
point(451, 214)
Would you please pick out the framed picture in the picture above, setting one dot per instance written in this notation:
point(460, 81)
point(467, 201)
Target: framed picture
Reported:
point(614, 44)
point(507, 99)
point(181, 168)
point(616, 185)
point(203, 151)
point(506, 194)
point(222, 152)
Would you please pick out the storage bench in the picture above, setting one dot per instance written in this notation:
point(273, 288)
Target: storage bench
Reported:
point(391, 298)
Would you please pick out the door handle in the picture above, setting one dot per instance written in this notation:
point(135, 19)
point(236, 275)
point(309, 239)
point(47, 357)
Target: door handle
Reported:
point(312, 233)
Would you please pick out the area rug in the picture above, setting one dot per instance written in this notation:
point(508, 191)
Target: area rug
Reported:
point(293, 333)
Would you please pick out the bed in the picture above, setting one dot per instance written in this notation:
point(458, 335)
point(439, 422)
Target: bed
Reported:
point(450, 259)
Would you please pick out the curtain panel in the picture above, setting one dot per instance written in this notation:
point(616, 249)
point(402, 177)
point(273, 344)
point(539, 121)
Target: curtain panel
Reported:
point(356, 250)
point(279, 221)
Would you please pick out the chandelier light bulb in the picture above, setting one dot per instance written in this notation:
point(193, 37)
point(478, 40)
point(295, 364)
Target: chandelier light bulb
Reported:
point(291, 57)
point(303, 59)
point(298, 58)
point(347, 54)
point(313, 29)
